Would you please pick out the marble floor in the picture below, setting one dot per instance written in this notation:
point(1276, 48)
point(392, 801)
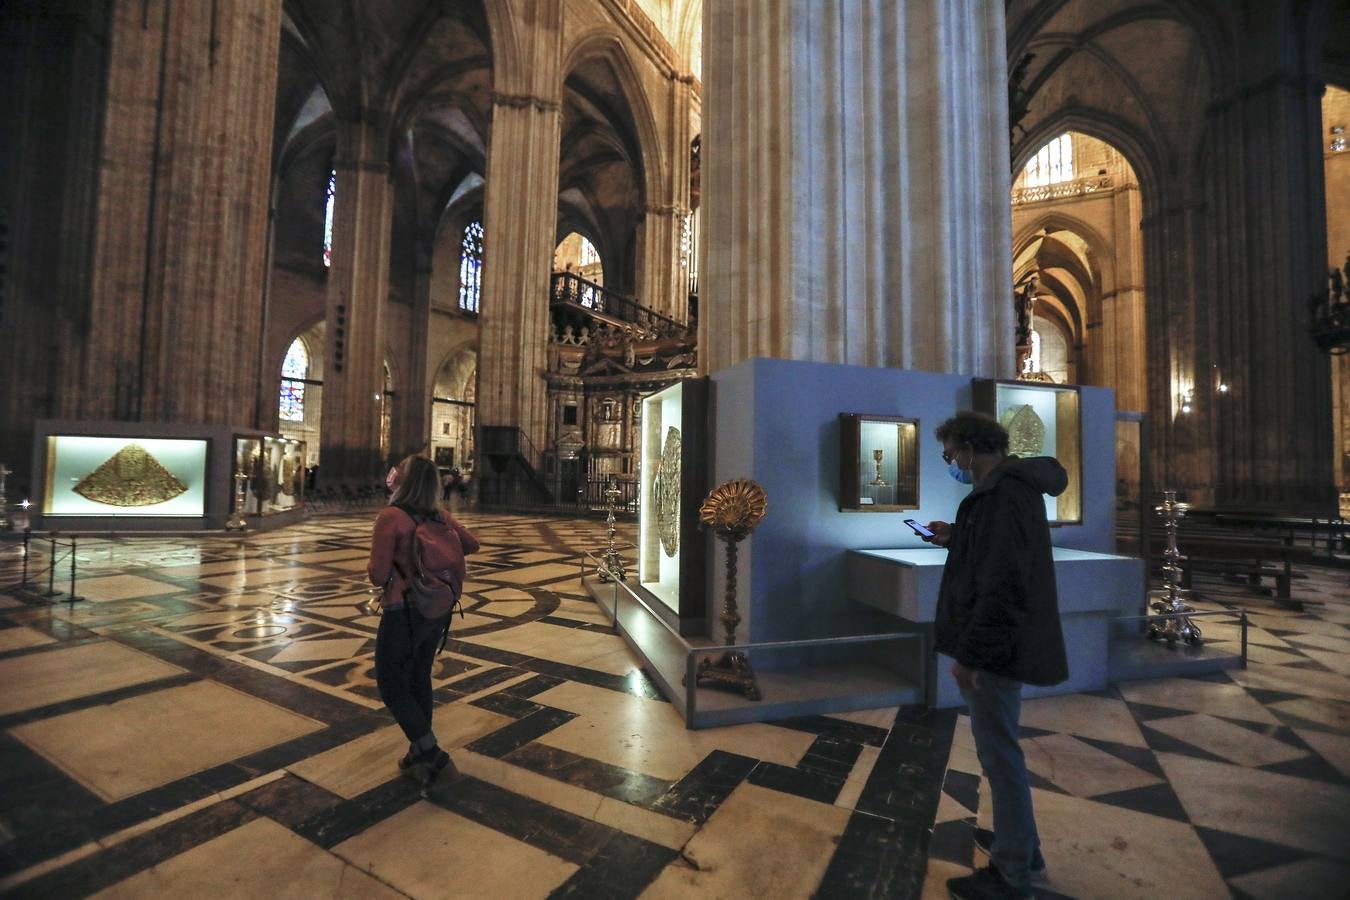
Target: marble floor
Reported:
point(205, 723)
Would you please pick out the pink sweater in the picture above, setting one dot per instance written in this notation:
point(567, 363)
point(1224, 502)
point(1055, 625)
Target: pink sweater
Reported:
point(391, 553)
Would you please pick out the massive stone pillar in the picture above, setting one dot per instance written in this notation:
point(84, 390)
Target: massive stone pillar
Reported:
point(1271, 429)
point(1119, 323)
point(415, 401)
point(520, 217)
point(856, 186)
point(358, 287)
point(53, 57)
point(177, 285)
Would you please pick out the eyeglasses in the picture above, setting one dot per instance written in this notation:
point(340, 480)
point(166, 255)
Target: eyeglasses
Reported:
point(947, 457)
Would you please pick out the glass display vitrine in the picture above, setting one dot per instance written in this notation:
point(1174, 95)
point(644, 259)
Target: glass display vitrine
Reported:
point(124, 476)
point(673, 478)
point(274, 473)
point(1042, 420)
point(879, 462)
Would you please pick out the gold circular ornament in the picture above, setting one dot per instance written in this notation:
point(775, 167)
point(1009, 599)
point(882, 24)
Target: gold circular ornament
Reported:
point(1026, 431)
point(734, 507)
point(667, 491)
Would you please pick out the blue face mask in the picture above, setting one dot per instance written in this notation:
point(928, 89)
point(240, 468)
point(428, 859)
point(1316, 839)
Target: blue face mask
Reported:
point(965, 476)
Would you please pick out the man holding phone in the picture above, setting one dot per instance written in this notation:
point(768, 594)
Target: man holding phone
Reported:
point(998, 618)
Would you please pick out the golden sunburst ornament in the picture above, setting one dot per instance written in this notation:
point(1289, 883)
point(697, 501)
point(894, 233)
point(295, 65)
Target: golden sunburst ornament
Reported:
point(734, 507)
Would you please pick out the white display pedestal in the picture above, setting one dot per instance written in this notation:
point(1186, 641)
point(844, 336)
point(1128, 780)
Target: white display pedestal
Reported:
point(1093, 589)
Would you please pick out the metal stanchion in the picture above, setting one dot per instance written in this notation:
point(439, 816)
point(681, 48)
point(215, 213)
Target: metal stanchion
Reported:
point(51, 569)
point(72, 597)
point(5, 523)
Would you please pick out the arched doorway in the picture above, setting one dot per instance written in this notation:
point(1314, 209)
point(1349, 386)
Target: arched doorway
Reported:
point(454, 398)
point(1077, 248)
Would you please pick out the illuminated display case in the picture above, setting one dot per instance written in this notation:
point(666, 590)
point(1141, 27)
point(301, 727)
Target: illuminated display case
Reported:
point(673, 481)
point(274, 471)
point(878, 463)
point(1042, 420)
point(124, 476)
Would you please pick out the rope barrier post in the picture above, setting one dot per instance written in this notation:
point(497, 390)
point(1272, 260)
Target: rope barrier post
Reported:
point(72, 597)
point(51, 569)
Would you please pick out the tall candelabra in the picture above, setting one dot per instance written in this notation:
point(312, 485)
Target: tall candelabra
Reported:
point(237, 520)
point(613, 568)
point(5, 523)
point(1171, 600)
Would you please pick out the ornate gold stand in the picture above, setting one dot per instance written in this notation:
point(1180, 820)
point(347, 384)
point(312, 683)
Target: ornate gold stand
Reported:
point(733, 510)
point(1172, 598)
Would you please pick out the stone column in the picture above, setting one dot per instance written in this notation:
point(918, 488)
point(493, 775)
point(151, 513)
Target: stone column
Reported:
point(661, 281)
point(358, 287)
point(175, 300)
point(1122, 311)
point(520, 217)
point(1265, 228)
point(856, 187)
point(53, 67)
point(416, 395)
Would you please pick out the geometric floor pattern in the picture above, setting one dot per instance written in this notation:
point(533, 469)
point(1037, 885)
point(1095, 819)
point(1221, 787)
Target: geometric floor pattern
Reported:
point(1229, 784)
point(205, 723)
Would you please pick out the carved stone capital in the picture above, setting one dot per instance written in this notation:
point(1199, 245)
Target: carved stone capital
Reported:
point(523, 101)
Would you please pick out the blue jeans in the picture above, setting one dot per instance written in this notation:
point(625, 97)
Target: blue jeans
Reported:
point(994, 706)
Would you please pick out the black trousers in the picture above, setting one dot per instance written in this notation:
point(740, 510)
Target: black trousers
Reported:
point(405, 650)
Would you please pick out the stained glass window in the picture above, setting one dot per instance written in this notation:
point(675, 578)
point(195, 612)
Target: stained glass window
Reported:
point(1053, 163)
point(294, 369)
point(329, 194)
point(471, 267)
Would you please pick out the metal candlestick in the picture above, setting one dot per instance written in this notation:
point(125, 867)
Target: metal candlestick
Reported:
point(5, 523)
point(237, 520)
point(876, 457)
point(613, 568)
point(733, 510)
point(1171, 599)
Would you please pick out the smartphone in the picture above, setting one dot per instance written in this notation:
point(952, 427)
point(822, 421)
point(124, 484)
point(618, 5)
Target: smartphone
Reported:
point(918, 529)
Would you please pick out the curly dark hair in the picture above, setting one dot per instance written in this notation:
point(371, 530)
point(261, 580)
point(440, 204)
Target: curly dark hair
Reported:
point(976, 430)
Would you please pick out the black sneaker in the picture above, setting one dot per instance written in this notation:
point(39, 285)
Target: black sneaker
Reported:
point(435, 765)
point(986, 884)
point(984, 841)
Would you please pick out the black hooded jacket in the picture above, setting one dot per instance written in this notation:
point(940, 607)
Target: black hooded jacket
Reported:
point(997, 607)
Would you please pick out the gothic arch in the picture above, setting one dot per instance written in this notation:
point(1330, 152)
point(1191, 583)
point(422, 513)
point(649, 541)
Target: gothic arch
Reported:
point(1062, 221)
point(690, 32)
point(1139, 150)
point(508, 73)
point(607, 43)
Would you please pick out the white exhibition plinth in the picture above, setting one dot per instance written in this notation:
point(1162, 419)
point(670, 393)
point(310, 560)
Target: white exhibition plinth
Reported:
point(1093, 589)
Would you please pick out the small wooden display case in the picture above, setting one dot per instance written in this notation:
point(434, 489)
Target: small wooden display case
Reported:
point(878, 463)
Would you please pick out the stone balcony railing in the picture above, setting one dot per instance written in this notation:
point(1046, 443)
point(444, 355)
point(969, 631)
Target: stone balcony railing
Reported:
point(1062, 190)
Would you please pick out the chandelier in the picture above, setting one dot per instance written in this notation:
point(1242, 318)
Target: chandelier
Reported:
point(1329, 312)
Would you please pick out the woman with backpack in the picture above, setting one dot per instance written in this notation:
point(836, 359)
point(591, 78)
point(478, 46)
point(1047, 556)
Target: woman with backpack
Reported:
point(417, 554)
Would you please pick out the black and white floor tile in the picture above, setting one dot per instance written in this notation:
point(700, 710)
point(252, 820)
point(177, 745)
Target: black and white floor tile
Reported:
point(205, 722)
point(1228, 784)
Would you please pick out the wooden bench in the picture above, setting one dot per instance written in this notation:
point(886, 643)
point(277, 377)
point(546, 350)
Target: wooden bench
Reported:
point(1254, 559)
